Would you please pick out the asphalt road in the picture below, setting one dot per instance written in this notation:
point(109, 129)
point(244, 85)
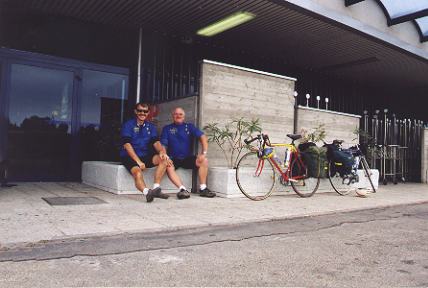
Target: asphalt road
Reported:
point(371, 248)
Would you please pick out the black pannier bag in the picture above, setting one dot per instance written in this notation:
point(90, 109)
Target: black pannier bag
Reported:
point(343, 159)
point(315, 159)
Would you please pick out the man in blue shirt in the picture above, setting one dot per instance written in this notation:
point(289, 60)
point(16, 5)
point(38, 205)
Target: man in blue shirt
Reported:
point(140, 138)
point(178, 139)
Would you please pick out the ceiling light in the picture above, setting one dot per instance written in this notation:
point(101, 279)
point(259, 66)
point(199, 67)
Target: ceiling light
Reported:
point(226, 23)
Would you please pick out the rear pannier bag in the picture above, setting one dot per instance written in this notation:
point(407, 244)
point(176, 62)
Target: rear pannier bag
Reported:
point(315, 159)
point(343, 161)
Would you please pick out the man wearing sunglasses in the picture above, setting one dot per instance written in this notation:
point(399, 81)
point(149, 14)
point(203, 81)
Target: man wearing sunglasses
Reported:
point(140, 140)
point(178, 138)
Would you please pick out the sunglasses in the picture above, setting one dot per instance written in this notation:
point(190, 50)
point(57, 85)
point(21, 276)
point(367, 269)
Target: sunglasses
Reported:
point(142, 111)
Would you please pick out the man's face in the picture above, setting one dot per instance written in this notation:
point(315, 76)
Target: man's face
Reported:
point(178, 116)
point(141, 112)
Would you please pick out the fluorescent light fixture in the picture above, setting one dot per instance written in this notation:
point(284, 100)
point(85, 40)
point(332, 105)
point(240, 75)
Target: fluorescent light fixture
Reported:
point(226, 23)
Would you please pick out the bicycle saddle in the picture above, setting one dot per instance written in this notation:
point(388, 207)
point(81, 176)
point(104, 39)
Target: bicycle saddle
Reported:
point(294, 136)
point(338, 142)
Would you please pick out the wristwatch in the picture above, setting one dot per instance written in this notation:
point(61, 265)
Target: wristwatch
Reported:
point(204, 152)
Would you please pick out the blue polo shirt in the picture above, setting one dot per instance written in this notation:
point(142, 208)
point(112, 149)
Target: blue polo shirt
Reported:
point(141, 137)
point(178, 138)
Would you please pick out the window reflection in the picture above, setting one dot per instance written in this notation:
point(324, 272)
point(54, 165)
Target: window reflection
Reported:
point(102, 112)
point(39, 122)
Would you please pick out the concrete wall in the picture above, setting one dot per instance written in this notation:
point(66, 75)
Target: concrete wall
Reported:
point(189, 104)
point(424, 169)
point(337, 125)
point(229, 92)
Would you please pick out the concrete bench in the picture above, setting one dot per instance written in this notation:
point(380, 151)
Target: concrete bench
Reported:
point(113, 177)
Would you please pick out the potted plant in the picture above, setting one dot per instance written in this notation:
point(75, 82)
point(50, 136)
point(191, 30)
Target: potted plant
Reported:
point(229, 138)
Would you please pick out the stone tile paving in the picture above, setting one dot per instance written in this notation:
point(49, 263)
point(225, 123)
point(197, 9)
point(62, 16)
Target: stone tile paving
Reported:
point(25, 217)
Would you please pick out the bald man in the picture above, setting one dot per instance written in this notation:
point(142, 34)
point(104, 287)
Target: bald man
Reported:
point(177, 138)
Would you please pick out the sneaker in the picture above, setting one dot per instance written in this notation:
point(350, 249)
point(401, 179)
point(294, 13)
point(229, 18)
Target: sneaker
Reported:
point(157, 193)
point(206, 193)
point(150, 197)
point(183, 194)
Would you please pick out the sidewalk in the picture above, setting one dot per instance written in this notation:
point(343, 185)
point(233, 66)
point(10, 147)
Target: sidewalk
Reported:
point(26, 217)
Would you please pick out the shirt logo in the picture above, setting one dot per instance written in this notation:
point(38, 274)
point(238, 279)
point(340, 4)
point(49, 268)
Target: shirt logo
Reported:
point(173, 131)
point(136, 129)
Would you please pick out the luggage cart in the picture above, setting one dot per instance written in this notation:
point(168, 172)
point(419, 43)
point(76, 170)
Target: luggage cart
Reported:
point(389, 163)
point(402, 163)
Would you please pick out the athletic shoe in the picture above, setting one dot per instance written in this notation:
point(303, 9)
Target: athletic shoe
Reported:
point(183, 194)
point(206, 193)
point(157, 193)
point(150, 197)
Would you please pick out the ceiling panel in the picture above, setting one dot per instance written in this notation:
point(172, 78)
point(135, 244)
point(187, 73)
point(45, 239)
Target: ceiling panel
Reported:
point(278, 31)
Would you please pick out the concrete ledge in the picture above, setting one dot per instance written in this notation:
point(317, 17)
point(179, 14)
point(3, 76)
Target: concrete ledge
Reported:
point(114, 178)
point(222, 180)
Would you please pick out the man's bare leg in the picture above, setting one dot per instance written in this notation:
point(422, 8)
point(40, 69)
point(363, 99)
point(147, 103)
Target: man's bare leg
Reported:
point(173, 176)
point(160, 168)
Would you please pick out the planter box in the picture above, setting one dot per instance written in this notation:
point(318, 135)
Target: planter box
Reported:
point(114, 178)
point(222, 180)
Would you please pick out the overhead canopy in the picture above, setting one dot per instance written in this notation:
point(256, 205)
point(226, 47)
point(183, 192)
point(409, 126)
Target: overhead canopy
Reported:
point(400, 11)
point(280, 30)
point(422, 24)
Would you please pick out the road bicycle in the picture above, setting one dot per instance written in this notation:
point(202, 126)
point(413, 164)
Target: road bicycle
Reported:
point(342, 182)
point(257, 170)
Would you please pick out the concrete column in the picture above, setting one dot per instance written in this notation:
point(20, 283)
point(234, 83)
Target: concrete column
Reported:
point(424, 156)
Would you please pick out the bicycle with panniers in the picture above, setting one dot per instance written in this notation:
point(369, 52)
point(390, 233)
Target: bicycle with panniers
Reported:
point(343, 165)
point(257, 170)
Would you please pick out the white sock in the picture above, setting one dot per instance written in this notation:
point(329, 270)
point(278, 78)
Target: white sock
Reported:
point(203, 186)
point(156, 185)
point(145, 191)
point(182, 187)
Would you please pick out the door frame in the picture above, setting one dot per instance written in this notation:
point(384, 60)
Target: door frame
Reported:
point(9, 57)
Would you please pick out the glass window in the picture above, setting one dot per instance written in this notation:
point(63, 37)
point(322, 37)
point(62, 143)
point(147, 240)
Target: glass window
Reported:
point(39, 122)
point(402, 8)
point(423, 26)
point(102, 109)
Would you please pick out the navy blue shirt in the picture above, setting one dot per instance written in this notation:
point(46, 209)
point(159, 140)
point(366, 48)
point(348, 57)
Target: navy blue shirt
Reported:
point(178, 138)
point(140, 137)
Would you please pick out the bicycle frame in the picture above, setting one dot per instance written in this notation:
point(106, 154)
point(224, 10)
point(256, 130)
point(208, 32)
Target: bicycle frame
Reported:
point(292, 155)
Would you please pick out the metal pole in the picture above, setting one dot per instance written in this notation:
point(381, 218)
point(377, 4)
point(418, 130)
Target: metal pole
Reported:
point(140, 48)
point(296, 110)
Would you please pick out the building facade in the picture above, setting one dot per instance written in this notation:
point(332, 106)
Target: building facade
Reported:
point(71, 70)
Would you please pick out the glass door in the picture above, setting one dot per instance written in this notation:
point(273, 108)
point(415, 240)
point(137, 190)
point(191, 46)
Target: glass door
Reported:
point(39, 126)
point(3, 124)
point(102, 104)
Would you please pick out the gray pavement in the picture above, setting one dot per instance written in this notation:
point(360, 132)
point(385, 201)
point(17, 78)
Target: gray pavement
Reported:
point(26, 218)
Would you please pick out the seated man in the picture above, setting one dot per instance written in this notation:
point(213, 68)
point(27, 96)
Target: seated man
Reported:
point(178, 139)
point(139, 138)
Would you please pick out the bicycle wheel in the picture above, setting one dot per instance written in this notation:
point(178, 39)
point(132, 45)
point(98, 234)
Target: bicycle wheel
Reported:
point(303, 185)
point(339, 184)
point(255, 177)
point(367, 172)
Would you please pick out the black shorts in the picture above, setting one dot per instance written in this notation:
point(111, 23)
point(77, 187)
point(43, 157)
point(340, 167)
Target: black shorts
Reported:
point(129, 163)
point(186, 163)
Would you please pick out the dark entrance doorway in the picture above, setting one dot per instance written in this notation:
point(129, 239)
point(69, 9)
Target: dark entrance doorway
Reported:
point(57, 113)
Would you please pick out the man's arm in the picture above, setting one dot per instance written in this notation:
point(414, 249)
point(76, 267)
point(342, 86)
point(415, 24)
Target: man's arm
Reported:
point(160, 149)
point(131, 152)
point(204, 143)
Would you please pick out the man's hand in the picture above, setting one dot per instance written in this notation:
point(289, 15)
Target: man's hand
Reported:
point(163, 156)
point(201, 157)
point(141, 165)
